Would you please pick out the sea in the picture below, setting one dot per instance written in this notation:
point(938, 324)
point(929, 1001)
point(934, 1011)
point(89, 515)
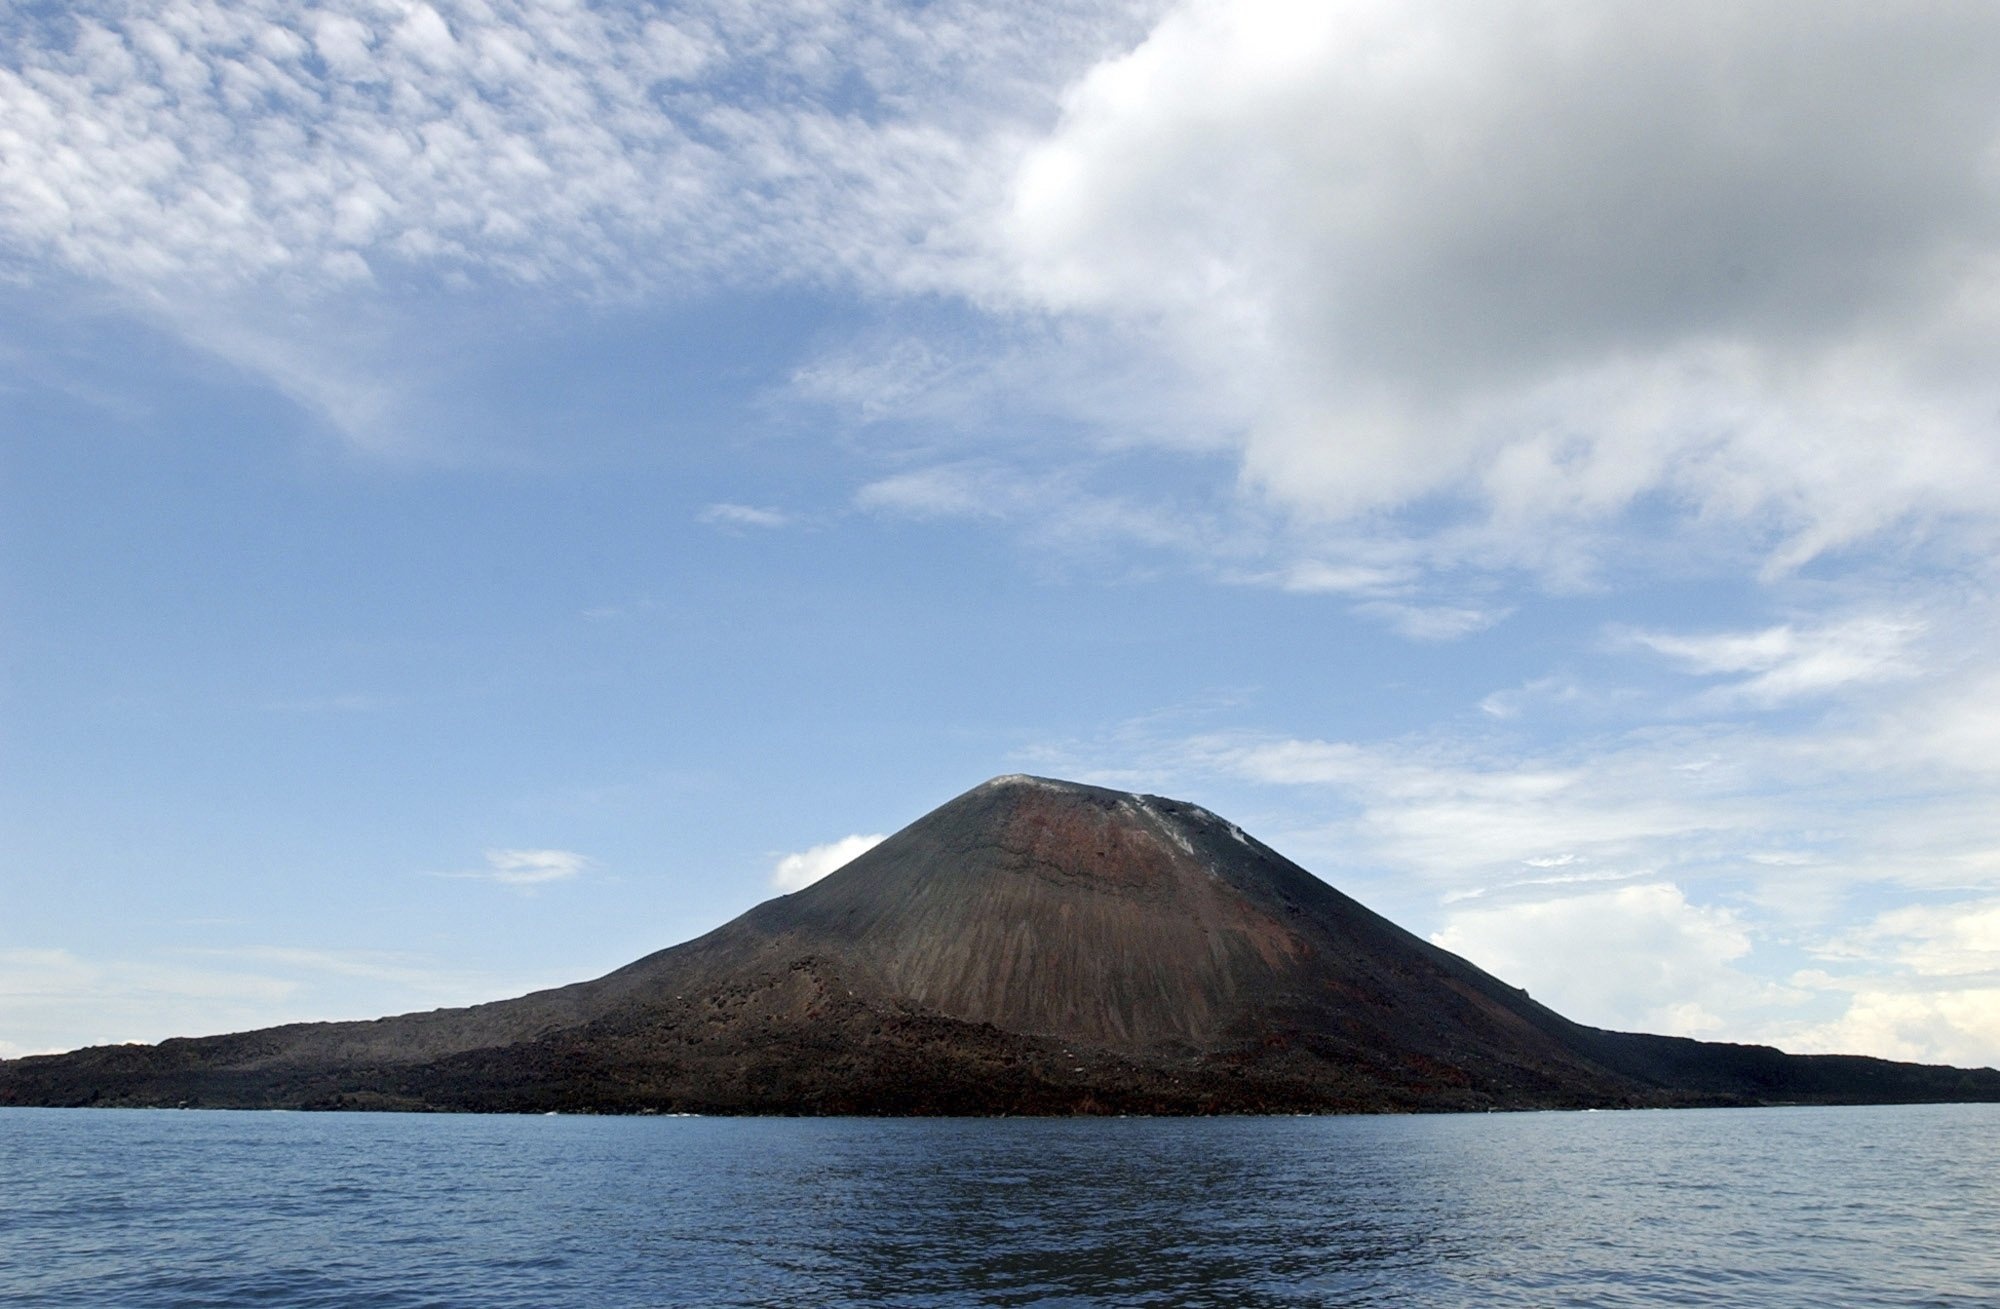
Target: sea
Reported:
point(1718, 1207)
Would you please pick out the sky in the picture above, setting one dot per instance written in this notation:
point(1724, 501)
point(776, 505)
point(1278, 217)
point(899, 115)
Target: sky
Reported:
point(493, 488)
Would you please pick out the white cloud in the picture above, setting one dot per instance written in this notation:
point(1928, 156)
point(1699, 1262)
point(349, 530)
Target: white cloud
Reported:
point(419, 975)
point(950, 491)
point(735, 515)
point(1871, 805)
point(1389, 584)
point(1555, 265)
point(1917, 982)
point(1960, 939)
point(1786, 662)
point(55, 999)
point(527, 867)
point(1535, 268)
point(263, 177)
point(1954, 1026)
point(1460, 289)
point(527, 141)
point(795, 872)
point(31, 979)
point(1636, 958)
point(1542, 691)
point(1421, 622)
point(1056, 510)
point(1317, 576)
point(1951, 726)
point(1459, 819)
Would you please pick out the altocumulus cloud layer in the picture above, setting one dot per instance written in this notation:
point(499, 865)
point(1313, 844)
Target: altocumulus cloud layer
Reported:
point(595, 146)
point(268, 179)
point(1472, 304)
point(1540, 266)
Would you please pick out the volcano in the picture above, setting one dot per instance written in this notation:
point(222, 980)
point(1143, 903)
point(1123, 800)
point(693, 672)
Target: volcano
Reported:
point(1033, 946)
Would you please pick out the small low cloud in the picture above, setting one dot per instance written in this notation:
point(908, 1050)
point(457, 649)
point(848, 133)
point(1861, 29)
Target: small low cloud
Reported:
point(527, 867)
point(735, 515)
point(795, 872)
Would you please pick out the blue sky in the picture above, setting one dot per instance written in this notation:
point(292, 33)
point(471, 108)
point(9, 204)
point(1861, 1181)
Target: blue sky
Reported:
point(488, 490)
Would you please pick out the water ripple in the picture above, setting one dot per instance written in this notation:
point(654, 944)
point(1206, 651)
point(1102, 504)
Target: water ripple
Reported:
point(164, 1210)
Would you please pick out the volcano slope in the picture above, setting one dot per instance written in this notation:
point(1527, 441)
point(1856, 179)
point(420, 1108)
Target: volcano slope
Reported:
point(1032, 946)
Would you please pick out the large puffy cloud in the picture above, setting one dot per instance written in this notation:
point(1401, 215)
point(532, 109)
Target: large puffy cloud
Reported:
point(1635, 957)
point(1556, 263)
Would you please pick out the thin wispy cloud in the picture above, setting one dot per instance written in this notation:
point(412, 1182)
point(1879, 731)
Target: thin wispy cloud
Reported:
point(526, 868)
point(1060, 512)
point(59, 999)
point(1539, 692)
point(953, 491)
point(727, 515)
point(1421, 622)
point(1777, 664)
point(1317, 577)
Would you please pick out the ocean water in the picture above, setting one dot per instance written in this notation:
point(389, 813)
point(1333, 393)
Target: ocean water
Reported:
point(1776, 1207)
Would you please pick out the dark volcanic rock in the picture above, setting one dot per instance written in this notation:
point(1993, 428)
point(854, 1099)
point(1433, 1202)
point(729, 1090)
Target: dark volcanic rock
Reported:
point(1031, 947)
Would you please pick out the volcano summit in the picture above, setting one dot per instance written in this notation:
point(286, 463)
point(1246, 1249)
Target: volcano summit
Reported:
point(1032, 946)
